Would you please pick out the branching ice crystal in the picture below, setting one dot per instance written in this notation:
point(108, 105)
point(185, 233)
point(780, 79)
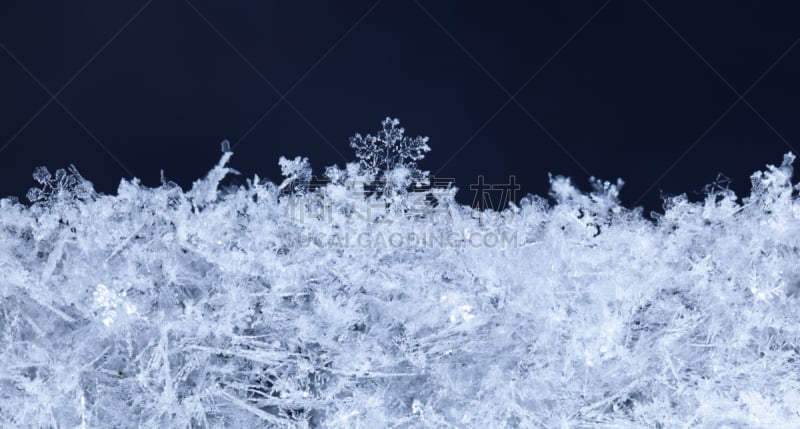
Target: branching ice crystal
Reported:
point(389, 150)
point(357, 304)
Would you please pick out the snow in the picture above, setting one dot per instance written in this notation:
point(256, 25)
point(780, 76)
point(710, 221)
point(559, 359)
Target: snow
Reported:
point(163, 307)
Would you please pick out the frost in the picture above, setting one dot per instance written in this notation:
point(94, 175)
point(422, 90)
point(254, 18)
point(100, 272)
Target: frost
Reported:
point(297, 172)
point(462, 313)
point(108, 301)
point(205, 191)
point(41, 175)
point(332, 305)
point(66, 184)
point(381, 155)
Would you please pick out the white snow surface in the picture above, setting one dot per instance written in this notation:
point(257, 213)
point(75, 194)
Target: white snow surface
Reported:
point(251, 307)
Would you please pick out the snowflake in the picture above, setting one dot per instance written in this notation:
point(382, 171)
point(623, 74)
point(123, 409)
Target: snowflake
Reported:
point(388, 150)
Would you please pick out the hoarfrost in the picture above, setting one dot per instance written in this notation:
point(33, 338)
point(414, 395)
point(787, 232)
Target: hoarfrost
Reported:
point(159, 307)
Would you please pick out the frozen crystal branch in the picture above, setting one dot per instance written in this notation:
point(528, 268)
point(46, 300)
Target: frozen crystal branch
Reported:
point(390, 155)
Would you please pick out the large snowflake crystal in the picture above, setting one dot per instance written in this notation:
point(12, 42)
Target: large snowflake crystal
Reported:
point(390, 149)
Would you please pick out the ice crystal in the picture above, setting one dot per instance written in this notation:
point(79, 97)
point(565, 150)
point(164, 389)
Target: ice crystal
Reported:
point(390, 150)
point(159, 307)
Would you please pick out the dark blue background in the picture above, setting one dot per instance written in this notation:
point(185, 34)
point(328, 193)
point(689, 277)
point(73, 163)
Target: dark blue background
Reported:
point(626, 93)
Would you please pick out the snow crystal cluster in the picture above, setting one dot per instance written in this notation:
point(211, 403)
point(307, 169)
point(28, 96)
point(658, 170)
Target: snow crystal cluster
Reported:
point(368, 300)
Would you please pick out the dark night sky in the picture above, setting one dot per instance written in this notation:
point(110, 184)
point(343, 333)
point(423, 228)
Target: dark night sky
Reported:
point(624, 88)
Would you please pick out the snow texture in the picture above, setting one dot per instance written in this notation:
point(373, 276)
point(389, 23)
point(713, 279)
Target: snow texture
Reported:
point(350, 305)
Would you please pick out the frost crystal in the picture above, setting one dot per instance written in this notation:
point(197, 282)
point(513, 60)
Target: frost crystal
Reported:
point(251, 307)
point(297, 172)
point(388, 150)
point(41, 175)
